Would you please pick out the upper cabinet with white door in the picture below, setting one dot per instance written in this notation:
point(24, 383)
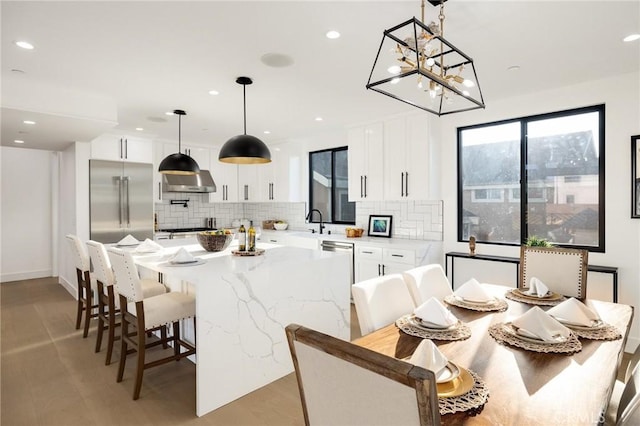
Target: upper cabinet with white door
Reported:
point(115, 147)
point(366, 144)
point(406, 158)
point(280, 180)
point(225, 176)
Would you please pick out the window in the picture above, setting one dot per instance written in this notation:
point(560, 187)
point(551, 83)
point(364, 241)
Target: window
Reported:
point(541, 175)
point(329, 186)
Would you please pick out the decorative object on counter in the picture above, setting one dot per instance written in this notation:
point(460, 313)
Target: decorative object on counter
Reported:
point(244, 149)
point(379, 226)
point(444, 76)
point(354, 232)
point(179, 163)
point(251, 238)
point(280, 225)
point(268, 224)
point(472, 245)
point(242, 238)
point(215, 240)
point(257, 252)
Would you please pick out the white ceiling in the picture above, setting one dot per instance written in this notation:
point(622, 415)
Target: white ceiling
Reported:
point(149, 57)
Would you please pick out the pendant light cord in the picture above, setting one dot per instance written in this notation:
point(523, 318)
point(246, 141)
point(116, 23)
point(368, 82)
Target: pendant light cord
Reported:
point(244, 102)
point(179, 134)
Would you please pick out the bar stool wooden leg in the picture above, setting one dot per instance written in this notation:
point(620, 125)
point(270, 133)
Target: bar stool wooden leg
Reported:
point(141, 343)
point(124, 333)
point(112, 325)
point(88, 303)
point(80, 298)
point(101, 315)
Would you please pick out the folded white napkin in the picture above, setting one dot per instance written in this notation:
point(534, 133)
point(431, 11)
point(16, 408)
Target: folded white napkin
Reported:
point(574, 312)
point(538, 324)
point(433, 311)
point(148, 246)
point(427, 355)
point(537, 288)
point(129, 240)
point(182, 256)
point(473, 292)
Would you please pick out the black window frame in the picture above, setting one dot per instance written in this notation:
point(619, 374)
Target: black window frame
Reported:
point(524, 121)
point(333, 190)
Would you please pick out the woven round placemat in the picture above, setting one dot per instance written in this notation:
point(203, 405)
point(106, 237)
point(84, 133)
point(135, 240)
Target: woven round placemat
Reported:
point(472, 400)
point(513, 295)
point(498, 305)
point(608, 332)
point(408, 324)
point(501, 335)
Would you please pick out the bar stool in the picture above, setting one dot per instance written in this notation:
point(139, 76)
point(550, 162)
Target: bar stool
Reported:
point(108, 303)
point(86, 284)
point(145, 315)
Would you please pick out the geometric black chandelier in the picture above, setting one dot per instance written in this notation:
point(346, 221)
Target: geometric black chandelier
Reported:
point(417, 65)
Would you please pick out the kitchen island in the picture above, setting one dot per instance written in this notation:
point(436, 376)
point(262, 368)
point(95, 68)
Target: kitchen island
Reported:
point(243, 304)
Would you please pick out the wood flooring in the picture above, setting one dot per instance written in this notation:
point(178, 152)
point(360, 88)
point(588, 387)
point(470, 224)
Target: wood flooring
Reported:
point(51, 376)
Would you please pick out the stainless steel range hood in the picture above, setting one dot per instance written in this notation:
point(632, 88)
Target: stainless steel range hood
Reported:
point(202, 182)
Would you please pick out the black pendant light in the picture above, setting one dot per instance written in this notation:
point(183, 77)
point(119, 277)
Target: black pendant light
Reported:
point(179, 163)
point(244, 149)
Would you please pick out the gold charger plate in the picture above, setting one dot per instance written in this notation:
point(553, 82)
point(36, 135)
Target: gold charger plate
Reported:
point(458, 386)
point(414, 320)
point(550, 296)
point(258, 252)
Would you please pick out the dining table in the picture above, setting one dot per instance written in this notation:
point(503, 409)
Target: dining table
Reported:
point(525, 387)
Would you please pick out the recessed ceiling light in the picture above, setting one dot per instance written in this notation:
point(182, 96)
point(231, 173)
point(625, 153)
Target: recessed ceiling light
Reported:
point(214, 92)
point(139, 129)
point(168, 113)
point(318, 118)
point(29, 122)
point(632, 37)
point(16, 70)
point(24, 44)
point(513, 68)
point(267, 132)
point(18, 141)
point(276, 60)
point(333, 34)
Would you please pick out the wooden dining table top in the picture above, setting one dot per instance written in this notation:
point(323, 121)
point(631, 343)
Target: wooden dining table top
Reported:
point(525, 387)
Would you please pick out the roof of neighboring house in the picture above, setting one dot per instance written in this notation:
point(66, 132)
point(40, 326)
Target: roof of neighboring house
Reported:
point(559, 155)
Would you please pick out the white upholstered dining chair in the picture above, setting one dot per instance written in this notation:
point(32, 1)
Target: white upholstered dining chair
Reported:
point(341, 383)
point(86, 283)
point(108, 303)
point(380, 301)
point(139, 315)
point(427, 281)
point(563, 270)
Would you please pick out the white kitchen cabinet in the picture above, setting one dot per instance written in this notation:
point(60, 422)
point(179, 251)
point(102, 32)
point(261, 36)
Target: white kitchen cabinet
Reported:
point(366, 144)
point(248, 182)
point(225, 176)
point(372, 262)
point(202, 155)
point(279, 180)
point(406, 158)
point(122, 148)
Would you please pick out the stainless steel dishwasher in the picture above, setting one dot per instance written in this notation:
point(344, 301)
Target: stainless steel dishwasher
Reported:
point(327, 245)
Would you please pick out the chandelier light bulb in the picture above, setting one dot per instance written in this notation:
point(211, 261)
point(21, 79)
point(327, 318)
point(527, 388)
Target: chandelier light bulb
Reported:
point(430, 62)
point(395, 80)
point(468, 83)
point(465, 92)
point(394, 69)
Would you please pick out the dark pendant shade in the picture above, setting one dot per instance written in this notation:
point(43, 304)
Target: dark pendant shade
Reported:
point(245, 149)
point(179, 164)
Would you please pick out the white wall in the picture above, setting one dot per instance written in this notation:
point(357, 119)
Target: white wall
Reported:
point(26, 221)
point(621, 95)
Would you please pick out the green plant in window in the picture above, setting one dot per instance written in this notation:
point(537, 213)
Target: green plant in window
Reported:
point(534, 241)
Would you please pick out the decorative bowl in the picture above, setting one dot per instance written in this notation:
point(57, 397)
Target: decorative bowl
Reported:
point(280, 226)
point(354, 232)
point(214, 242)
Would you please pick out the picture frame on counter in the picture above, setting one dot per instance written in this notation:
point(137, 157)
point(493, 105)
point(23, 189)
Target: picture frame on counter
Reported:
point(379, 226)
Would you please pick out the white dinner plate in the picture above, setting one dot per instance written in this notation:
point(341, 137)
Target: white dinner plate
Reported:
point(190, 263)
point(597, 324)
point(491, 301)
point(526, 336)
point(128, 245)
point(431, 326)
point(448, 373)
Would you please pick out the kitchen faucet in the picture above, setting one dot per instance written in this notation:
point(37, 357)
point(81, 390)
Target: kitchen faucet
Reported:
point(319, 213)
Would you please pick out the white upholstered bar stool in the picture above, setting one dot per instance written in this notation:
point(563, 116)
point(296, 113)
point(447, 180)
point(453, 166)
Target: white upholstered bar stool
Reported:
point(140, 315)
point(380, 301)
point(86, 283)
point(108, 303)
point(427, 281)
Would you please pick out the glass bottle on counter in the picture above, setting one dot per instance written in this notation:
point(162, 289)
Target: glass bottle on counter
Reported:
point(251, 243)
point(242, 238)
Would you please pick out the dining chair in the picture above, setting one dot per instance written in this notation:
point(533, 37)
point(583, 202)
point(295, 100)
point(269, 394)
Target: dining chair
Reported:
point(85, 282)
point(341, 383)
point(380, 301)
point(628, 412)
point(619, 387)
point(108, 303)
point(139, 315)
point(427, 281)
point(563, 270)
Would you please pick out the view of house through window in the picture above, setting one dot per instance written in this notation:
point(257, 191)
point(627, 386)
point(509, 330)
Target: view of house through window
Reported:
point(556, 160)
point(329, 186)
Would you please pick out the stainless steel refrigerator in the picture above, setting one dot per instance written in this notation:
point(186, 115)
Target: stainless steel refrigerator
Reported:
point(121, 200)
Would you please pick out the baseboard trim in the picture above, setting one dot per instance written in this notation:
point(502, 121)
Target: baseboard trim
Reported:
point(68, 286)
point(19, 276)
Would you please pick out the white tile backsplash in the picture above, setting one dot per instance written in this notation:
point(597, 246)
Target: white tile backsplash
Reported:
point(414, 220)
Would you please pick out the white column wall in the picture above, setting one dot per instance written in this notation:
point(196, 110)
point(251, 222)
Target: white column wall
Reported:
point(621, 95)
